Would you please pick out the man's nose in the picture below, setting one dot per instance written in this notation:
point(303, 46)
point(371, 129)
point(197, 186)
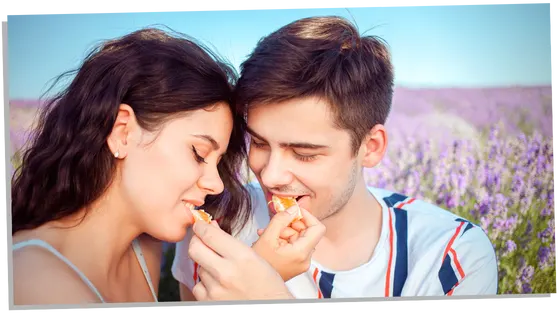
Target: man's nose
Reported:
point(276, 172)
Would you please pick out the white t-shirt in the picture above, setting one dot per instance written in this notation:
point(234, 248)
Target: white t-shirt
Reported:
point(423, 250)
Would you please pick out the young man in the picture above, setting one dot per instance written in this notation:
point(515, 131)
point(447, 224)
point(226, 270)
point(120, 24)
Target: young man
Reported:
point(318, 96)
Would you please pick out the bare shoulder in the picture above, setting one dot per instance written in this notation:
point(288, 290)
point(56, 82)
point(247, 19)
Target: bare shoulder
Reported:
point(39, 277)
point(153, 251)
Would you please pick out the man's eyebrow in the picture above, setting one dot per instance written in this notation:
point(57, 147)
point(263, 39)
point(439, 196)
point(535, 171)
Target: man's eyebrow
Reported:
point(303, 145)
point(297, 145)
point(254, 134)
point(208, 138)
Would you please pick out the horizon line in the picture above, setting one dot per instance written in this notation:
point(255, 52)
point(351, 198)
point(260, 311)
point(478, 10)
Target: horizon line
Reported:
point(403, 87)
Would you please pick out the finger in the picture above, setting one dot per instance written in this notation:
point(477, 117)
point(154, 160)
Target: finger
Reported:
point(210, 282)
point(308, 219)
point(219, 241)
point(312, 235)
point(215, 223)
point(298, 226)
point(287, 233)
point(279, 222)
point(205, 256)
point(309, 240)
point(199, 292)
point(294, 238)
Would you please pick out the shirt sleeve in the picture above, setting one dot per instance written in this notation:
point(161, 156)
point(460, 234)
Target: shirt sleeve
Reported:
point(469, 264)
point(184, 269)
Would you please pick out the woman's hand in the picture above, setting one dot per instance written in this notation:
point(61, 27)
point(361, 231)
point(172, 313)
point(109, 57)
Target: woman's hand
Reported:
point(231, 270)
point(288, 246)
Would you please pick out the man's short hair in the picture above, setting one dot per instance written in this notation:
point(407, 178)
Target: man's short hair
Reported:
point(322, 57)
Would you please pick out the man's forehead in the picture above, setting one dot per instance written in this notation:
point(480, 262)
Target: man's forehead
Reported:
point(279, 126)
point(304, 111)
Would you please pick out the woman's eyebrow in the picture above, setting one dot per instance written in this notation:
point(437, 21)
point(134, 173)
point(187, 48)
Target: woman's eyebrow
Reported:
point(212, 141)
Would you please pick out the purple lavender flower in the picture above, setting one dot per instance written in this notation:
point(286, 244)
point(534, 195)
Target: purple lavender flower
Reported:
point(545, 212)
point(527, 288)
point(544, 253)
point(450, 201)
point(529, 228)
point(419, 155)
point(527, 273)
point(550, 197)
point(484, 206)
point(507, 176)
point(510, 246)
point(524, 205)
point(484, 224)
point(545, 234)
point(541, 164)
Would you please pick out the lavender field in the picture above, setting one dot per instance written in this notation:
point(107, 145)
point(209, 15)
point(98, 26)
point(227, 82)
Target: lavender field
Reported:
point(485, 154)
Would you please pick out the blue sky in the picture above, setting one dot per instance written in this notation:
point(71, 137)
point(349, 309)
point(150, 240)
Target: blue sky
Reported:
point(440, 46)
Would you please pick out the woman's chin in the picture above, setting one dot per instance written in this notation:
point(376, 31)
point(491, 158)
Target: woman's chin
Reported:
point(173, 228)
point(172, 235)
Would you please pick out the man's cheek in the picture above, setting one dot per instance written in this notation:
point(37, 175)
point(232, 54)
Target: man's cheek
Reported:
point(256, 162)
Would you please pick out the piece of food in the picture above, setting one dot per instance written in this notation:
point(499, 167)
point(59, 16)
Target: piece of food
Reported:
point(283, 203)
point(201, 215)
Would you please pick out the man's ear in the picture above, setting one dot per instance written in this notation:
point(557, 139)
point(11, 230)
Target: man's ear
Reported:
point(374, 146)
point(124, 127)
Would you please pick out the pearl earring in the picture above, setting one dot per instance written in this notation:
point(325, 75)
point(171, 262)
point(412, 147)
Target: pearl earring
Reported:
point(117, 154)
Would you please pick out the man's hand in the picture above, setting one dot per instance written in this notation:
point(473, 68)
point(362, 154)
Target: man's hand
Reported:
point(288, 246)
point(230, 270)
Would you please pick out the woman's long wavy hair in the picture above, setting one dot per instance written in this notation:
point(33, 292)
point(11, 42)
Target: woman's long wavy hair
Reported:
point(68, 165)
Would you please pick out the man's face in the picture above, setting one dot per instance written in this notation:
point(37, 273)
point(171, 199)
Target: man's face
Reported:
point(297, 151)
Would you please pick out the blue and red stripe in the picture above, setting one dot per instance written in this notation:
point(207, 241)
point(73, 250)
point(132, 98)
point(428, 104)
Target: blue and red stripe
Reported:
point(398, 244)
point(326, 284)
point(448, 278)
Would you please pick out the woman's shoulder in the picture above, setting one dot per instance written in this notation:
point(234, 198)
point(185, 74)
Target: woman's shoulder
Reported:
point(39, 277)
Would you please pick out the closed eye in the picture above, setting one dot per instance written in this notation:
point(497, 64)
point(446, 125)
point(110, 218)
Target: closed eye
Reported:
point(197, 156)
point(257, 144)
point(305, 158)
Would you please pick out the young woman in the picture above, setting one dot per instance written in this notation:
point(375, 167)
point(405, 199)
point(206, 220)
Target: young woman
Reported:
point(145, 131)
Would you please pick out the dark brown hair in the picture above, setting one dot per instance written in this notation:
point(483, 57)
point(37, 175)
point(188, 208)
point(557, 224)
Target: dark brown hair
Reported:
point(68, 164)
point(323, 57)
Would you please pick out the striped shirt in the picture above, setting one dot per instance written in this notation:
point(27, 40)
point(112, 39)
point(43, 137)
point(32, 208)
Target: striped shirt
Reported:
point(423, 250)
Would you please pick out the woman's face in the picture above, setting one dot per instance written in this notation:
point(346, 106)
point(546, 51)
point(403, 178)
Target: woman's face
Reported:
point(165, 173)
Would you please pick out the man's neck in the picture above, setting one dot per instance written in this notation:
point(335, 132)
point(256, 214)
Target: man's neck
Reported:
point(352, 233)
point(360, 213)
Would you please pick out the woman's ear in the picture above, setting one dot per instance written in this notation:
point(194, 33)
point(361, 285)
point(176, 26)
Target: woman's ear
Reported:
point(374, 146)
point(125, 125)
